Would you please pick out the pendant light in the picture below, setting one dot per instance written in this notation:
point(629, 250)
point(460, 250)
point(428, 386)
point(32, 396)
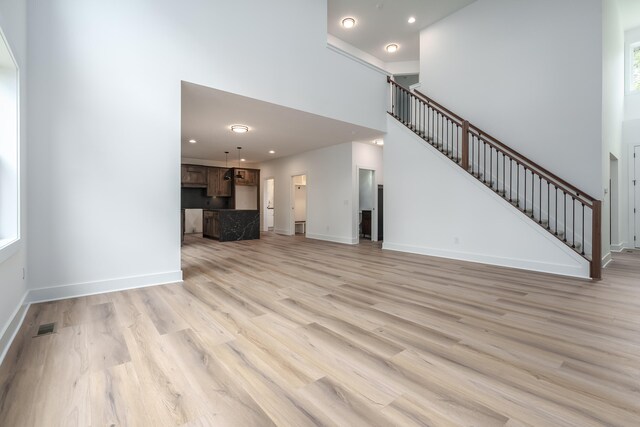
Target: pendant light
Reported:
point(238, 175)
point(227, 176)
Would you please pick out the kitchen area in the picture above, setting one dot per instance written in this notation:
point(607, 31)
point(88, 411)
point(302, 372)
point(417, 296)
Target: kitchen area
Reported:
point(220, 202)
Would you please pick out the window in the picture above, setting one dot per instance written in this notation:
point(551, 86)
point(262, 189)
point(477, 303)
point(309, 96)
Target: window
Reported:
point(635, 67)
point(9, 151)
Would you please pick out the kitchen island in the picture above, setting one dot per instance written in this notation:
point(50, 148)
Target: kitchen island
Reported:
point(231, 224)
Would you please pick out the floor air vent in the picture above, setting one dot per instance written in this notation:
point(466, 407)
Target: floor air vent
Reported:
point(46, 329)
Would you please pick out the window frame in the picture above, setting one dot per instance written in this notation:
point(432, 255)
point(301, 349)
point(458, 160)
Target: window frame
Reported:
point(631, 67)
point(9, 246)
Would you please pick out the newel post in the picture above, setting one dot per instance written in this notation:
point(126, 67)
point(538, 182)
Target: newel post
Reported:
point(465, 145)
point(596, 241)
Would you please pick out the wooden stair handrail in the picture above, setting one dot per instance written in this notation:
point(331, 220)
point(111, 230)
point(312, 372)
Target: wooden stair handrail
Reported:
point(530, 164)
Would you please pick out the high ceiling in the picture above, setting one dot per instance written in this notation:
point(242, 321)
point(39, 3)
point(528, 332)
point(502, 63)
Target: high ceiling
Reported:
point(207, 115)
point(381, 22)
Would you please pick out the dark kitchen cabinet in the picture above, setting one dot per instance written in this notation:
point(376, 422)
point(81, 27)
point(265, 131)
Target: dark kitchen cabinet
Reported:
point(217, 186)
point(211, 224)
point(194, 176)
point(247, 176)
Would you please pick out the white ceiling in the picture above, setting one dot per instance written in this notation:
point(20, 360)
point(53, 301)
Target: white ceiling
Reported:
point(629, 13)
point(381, 22)
point(208, 113)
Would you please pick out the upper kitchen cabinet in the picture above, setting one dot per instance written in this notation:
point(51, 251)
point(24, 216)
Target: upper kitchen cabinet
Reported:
point(194, 176)
point(247, 176)
point(217, 185)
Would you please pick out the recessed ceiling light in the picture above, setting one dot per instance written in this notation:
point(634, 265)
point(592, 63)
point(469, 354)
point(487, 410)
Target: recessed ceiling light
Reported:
point(192, 141)
point(348, 22)
point(240, 128)
point(272, 152)
point(391, 48)
point(243, 160)
point(411, 20)
point(378, 142)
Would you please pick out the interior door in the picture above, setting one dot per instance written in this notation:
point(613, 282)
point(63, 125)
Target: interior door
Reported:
point(636, 190)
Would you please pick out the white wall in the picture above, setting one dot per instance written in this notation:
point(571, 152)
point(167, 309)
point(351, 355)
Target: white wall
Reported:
point(105, 120)
point(612, 117)
point(329, 192)
point(246, 197)
point(13, 287)
point(530, 74)
point(456, 216)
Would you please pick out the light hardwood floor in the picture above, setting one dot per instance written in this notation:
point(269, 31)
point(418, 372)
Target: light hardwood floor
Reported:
point(294, 332)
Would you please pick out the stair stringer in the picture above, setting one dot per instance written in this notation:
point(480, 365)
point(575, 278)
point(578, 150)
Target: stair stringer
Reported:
point(430, 201)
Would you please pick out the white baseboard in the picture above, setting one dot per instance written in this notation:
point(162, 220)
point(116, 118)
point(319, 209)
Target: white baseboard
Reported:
point(280, 231)
point(13, 327)
point(335, 239)
point(580, 271)
point(606, 260)
point(104, 286)
point(619, 247)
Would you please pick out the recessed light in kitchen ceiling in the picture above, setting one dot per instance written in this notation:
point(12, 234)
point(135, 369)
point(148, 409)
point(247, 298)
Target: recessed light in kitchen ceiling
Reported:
point(192, 141)
point(391, 48)
point(272, 152)
point(411, 20)
point(348, 23)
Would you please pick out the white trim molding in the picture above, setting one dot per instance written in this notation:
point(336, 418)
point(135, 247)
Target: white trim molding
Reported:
point(13, 326)
point(101, 287)
point(335, 239)
point(578, 271)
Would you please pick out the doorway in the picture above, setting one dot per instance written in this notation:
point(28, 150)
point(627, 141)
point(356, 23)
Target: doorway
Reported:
point(269, 205)
point(367, 204)
point(298, 223)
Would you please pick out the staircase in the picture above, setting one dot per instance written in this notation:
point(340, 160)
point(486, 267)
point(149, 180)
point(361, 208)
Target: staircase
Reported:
point(569, 214)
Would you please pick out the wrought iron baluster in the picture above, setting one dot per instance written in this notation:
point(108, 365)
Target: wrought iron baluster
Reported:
point(540, 199)
point(510, 179)
point(582, 228)
point(548, 206)
point(518, 183)
point(564, 207)
point(525, 189)
point(504, 181)
point(573, 212)
point(556, 202)
point(490, 166)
